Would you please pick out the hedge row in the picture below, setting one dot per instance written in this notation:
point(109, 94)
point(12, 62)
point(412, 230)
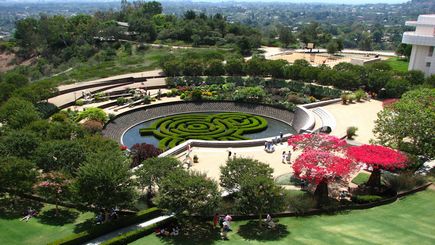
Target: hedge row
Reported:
point(173, 130)
point(132, 236)
point(102, 229)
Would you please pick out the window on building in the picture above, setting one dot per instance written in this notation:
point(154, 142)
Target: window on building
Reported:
point(431, 51)
point(427, 64)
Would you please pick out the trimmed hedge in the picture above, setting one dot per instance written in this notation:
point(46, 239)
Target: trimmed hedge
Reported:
point(102, 229)
point(366, 198)
point(174, 130)
point(134, 235)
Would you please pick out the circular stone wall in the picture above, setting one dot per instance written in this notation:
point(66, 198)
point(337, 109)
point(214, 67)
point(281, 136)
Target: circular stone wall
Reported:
point(123, 122)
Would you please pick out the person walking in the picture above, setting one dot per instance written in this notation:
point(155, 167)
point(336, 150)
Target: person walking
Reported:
point(283, 156)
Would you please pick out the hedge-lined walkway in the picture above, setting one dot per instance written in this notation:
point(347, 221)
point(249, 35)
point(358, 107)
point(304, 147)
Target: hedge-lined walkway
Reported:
point(115, 129)
point(124, 230)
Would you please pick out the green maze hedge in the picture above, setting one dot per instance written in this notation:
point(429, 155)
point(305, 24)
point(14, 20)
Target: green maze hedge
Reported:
point(174, 130)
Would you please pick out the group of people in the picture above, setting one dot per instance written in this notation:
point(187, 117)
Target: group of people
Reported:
point(29, 214)
point(104, 215)
point(170, 230)
point(224, 224)
point(269, 146)
point(286, 157)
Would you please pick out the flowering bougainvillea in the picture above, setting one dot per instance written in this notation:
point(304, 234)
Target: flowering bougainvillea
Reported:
point(377, 156)
point(323, 142)
point(317, 166)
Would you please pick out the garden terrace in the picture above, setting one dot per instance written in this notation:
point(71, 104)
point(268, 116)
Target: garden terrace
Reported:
point(119, 125)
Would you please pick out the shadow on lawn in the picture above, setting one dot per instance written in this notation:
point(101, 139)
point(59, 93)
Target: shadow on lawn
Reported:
point(14, 208)
point(65, 216)
point(251, 231)
point(198, 234)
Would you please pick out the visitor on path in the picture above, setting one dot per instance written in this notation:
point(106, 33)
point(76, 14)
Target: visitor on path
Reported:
point(225, 230)
point(284, 155)
point(289, 157)
point(266, 145)
point(229, 153)
point(281, 137)
point(234, 156)
point(215, 220)
point(189, 150)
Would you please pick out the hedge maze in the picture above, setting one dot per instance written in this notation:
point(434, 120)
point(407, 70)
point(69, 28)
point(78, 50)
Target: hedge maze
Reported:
point(174, 130)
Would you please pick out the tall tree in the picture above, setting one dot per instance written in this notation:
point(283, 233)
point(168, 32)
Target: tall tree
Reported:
point(407, 124)
point(188, 193)
point(235, 170)
point(258, 195)
point(153, 170)
point(285, 36)
point(16, 175)
point(17, 113)
point(104, 180)
point(54, 187)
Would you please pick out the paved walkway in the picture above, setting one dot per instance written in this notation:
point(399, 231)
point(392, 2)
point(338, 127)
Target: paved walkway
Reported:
point(119, 232)
point(68, 98)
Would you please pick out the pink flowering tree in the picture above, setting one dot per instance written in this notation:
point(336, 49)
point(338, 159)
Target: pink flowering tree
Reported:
point(321, 167)
point(54, 187)
point(323, 142)
point(379, 158)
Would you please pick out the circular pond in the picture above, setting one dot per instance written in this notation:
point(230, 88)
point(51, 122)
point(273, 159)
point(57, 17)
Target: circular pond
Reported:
point(169, 131)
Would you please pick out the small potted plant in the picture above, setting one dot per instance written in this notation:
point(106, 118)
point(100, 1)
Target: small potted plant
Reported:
point(195, 159)
point(351, 132)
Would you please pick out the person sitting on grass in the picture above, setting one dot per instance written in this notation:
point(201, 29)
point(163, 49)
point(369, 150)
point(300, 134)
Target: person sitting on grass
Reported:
point(269, 222)
point(30, 213)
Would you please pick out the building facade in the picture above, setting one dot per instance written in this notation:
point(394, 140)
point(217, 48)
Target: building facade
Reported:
point(423, 44)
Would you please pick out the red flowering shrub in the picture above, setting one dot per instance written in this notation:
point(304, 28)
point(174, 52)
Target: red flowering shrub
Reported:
point(123, 147)
point(377, 156)
point(389, 102)
point(322, 142)
point(141, 152)
point(317, 166)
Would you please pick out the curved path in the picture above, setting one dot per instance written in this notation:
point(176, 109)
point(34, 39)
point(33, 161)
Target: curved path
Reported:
point(116, 128)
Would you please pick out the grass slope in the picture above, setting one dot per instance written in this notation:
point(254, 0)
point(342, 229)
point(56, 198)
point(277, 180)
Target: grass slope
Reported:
point(398, 64)
point(41, 229)
point(410, 220)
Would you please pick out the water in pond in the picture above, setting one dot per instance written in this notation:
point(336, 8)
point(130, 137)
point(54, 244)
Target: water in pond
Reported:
point(132, 136)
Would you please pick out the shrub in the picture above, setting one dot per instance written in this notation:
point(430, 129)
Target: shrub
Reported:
point(93, 126)
point(344, 98)
point(102, 229)
point(365, 198)
point(404, 181)
point(301, 203)
point(359, 94)
point(80, 102)
point(92, 113)
point(141, 152)
point(351, 132)
point(121, 101)
point(195, 159)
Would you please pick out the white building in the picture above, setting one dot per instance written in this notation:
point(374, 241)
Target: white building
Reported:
point(423, 43)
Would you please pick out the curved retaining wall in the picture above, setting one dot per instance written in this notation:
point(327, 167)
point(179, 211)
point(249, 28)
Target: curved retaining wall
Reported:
point(126, 120)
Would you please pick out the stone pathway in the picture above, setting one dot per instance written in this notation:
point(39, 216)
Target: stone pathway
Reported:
point(124, 230)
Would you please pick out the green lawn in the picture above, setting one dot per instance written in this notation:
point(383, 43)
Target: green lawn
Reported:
point(410, 220)
point(361, 178)
point(398, 64)
point(41, 229)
